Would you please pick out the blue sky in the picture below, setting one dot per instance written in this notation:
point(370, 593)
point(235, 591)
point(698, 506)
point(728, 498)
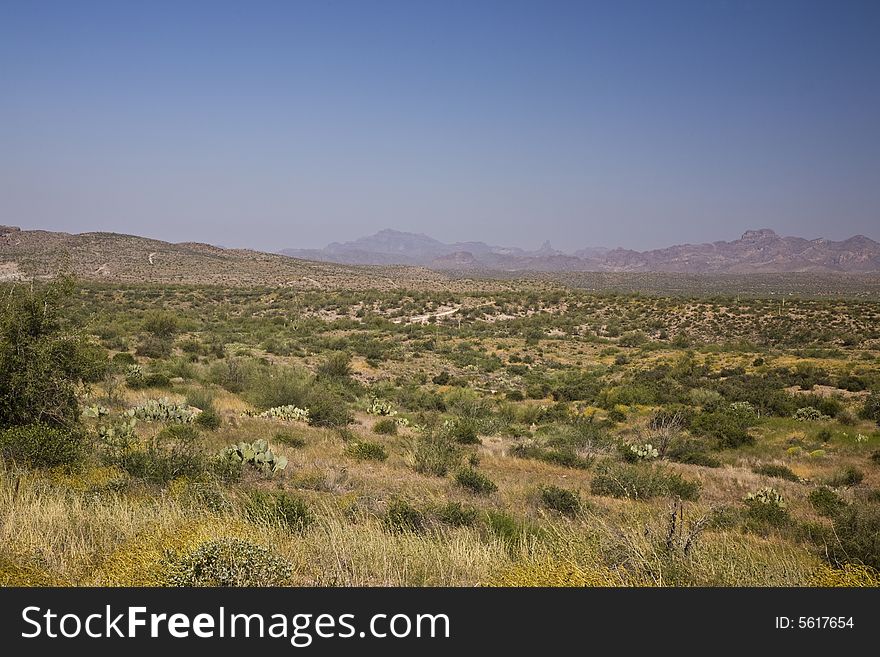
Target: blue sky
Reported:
point(293, 124)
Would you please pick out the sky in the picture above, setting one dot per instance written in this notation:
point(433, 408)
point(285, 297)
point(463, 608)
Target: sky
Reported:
point(289, 124)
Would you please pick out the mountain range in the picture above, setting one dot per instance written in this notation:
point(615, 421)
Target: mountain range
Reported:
point(756, 251)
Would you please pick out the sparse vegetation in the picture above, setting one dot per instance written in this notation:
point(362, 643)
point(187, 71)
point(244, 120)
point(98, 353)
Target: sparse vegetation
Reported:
point(537, 436)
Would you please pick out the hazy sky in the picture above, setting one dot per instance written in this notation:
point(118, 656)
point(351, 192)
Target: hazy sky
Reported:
point(293, 124)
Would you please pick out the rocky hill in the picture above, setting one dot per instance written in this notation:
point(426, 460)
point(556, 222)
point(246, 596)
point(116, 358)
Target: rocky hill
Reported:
point(27, 254)
point(757, 251)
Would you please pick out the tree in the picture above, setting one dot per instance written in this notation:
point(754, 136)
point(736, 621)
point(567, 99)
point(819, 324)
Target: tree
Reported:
point(41, 358)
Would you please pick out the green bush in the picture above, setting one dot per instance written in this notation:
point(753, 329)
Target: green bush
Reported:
point(727, 427)
point(475, 481)
point(41, 359)
point(230, 562)
point(41, 446)
point(871, 409)
point(160, 324)
point(641, 482)
point(209, 419)
point(289, 439)
point(564, 457)
point(508, 529)
point(403, 517)
point(336, 366)
point(153, 347)
point(764, 508)
point(387, 426)
point(826, 501)
point(173, 452)
point(692, 452)
point(455, 514)
point(463, 430)
point(278, 508)
point(857, 529)
point(776, 471)
point(848, 476)
point(434, 454)
point(123, 359)
point(559, 499)
point(367, 451)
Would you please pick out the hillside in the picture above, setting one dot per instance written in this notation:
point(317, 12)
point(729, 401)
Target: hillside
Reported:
point(26, 254)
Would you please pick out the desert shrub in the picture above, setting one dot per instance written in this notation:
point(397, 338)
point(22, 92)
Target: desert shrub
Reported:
point(226, 468)
point(641, 482)
point(386, 426)
point(509, 529)
point(465, 402)
point(848, 476)
point(153, 347)
point(766, 507)
point(336, 366)
point(871, 408)
point(575, 385)
point(401, 517)
point(556, 573)
point(19, 570)
point(41, 446)
point(367, 451)
point(327, 408)
point(559, 499)
point(632, 339)
point(41, 358)
point(475, 481)
point(209, 419)
point(776, 471)
point(727, 427)
point(123, 359)
point(230, 562)
point(442, 378)
point(848, 575)
point(455, 514)
point(462, 430)
point(173, 452)
point(434, 454)
point(289, 439)
point(827, 406)
point(826, 501)
point(564, 457)
point(857, 529)
point(692, 452)
point(847, 417)
point(278, 508)
point(160, 324)
point(232, 374)
point(149, 380)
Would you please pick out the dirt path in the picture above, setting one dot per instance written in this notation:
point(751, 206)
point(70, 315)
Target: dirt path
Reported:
point(422, 319)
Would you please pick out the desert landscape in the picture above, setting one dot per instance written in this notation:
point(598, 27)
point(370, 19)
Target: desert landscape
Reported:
point(180, 414)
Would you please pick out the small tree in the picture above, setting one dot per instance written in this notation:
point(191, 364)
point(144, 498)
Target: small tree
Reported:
point(41, 359)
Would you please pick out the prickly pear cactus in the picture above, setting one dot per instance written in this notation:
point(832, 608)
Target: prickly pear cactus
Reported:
point(163, 410)
point(256, 454)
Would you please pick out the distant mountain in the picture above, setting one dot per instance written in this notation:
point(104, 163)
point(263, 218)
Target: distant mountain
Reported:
point(757, 251)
